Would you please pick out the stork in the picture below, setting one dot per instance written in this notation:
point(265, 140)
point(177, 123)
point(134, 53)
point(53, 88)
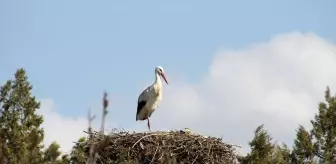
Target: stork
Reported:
point(150, 98)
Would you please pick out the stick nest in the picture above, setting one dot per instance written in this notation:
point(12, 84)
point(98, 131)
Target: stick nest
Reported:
point(180, 147)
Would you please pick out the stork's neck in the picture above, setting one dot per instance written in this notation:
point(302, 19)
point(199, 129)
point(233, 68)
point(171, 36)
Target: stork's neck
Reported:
point(157, 83)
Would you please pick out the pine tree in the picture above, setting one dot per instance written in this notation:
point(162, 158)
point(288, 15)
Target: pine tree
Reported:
point(262, 148)
point(281, 154)
point(19, 124)
point(324, 129)
point(2, 156)
point(78, 155)
point(303, 149)
point(52, 153)
point(65, 159)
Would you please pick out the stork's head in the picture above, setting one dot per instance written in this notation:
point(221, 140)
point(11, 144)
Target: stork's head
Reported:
point(159, 70)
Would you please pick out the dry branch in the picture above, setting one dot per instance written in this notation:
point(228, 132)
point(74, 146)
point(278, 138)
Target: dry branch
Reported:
point(105, 105)
point(93, 154)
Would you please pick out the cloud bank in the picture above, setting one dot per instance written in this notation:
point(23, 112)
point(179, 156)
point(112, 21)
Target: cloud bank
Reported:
point(278, 83)
point(62, 129)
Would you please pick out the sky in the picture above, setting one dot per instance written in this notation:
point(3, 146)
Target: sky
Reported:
point(231, 65)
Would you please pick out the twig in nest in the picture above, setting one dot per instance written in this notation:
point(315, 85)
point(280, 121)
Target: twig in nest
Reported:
point(154, 154)
point(209, 149)
point(122, 128)
point(195, 159)
point(156, 134)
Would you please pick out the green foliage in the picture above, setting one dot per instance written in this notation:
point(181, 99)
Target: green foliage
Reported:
point(78, 155)
point(303, 149)
point(20, 130)
point(65, 159)
point(261, 148)
point(2, 155)
point(281, 154)
point(324, 129)
point(263, 151)
point(52, 153)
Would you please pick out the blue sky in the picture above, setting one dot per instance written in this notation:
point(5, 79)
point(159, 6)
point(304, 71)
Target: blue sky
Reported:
point(73, 50)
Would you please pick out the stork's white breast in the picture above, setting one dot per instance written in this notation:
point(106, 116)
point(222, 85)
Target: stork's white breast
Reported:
point(154, 101)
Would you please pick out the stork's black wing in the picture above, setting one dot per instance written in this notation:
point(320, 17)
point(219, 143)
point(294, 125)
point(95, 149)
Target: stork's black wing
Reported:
point(141, 104)
point(142, 100)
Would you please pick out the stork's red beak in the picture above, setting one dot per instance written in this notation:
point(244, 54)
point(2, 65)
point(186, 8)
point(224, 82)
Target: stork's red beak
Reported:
point(164, 77)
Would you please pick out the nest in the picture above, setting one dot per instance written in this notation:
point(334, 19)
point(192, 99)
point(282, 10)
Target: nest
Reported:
point(180, 147)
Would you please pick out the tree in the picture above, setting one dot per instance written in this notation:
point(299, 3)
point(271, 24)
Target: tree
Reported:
point(261, 148)
point(52, 153)
point(65, 159)
point(281, 154)
point(2, 157)
point(78, 155)
point(324, 129)
point(19, 124)
point(303, 149)
point(264, 151)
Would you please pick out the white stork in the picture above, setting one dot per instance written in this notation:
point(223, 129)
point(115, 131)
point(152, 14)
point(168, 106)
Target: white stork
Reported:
point(150, 98)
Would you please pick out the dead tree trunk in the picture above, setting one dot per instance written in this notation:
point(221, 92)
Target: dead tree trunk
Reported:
point(93, 155)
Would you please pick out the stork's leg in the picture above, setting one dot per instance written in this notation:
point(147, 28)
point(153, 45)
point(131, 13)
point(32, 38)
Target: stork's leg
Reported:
point(148, 124)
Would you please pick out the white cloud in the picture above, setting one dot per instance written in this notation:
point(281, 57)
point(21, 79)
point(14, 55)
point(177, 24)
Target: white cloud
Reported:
point(278, 83)
point(64, 130)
